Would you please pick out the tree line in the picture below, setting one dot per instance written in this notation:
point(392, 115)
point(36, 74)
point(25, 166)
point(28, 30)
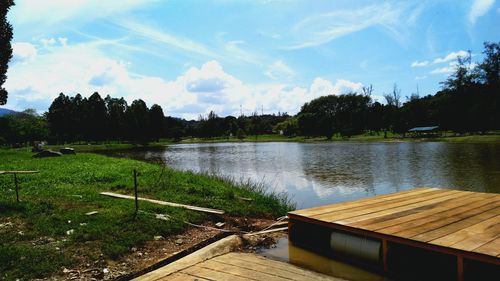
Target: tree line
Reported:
point(468, 102)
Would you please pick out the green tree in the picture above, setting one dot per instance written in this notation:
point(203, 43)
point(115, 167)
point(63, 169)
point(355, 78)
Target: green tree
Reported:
point(116, 119)
point(137, 120)
point(156, 122)
point(5, 46)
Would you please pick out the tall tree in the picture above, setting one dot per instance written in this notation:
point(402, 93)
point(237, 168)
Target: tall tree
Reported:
point(156, 122)
point(96, 117)
point(5, 46)
point(137, 120)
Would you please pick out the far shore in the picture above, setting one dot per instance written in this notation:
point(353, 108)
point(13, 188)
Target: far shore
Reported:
point(493, 137)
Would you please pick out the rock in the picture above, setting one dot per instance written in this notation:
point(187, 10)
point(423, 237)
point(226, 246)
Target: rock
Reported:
point(159, 237)
point(105, 271)
point(47, 153)
point(69, 232)
point(179, 241)
point(67, 150)
point(66, 271)
point(162, 217)
point(133, 249)
point(220, 224)
point(58, 249)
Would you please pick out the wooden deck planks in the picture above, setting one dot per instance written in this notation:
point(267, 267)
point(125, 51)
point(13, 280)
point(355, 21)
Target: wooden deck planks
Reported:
point(435, 221)
point(397, 218)
point(242, 267)
point(459, 220)
point(372, 208)
point(362, 202)
point(401, 211)
point(261, 264)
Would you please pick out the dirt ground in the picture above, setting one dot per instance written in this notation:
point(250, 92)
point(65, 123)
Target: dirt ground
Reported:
point(164, 249)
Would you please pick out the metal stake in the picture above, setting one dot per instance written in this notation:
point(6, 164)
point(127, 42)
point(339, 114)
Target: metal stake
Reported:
point(17, 187)
point(135, 191)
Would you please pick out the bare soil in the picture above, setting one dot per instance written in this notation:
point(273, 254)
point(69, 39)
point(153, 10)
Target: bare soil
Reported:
point(160, 249)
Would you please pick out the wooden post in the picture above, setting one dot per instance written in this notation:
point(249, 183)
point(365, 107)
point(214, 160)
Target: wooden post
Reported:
point(17, 187)
point(135, 191)
point(460, 268)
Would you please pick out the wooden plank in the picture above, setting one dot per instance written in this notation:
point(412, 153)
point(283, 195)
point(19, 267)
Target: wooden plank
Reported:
point(280, 268)
point(491, 248)
point(362, 202)
point(418, 213)
point(18, 172)
point(453, 227)
point(372, 208)
point(434, 221)
point(268, 231)
point(489, 226)
point(181, 277)
point(402, 211)
point(253, 273)
point(164, 203)
point(212, 274)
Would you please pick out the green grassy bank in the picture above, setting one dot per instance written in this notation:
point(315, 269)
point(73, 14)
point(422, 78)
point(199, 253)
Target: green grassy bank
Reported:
point(48, 229)
point(489, 138)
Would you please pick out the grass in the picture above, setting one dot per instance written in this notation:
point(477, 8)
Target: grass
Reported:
point(34, 232)
point(491, 138)
point(106, 146)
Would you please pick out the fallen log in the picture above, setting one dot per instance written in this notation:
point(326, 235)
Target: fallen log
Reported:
point(164, 203)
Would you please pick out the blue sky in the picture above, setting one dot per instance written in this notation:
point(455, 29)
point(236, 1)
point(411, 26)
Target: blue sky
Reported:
point(191, 57)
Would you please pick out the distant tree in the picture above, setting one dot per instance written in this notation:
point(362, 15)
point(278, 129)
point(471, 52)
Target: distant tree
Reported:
point(59, 117)
point(156, 122)
point(240, 134)
point(116, 118)
point(137, 119)
point(394, 98)
point(5, 46)
point(23, 128)
point(96, 118)
point(367, 90)
point(326, 115)
point(489, 69)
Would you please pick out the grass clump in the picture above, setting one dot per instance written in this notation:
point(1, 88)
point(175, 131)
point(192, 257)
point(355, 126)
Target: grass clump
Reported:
point(48, 229)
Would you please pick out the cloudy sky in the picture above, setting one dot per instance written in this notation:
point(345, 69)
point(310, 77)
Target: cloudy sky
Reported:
point(191, 57)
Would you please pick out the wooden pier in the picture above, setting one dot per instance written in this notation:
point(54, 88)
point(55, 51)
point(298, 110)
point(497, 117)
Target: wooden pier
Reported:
point(418, 234)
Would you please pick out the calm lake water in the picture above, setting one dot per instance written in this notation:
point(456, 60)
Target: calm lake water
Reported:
point(324, 173)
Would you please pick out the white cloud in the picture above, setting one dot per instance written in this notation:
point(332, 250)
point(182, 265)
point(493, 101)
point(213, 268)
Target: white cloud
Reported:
point(479, 8)
point(451, 57)
point(419, 63)
point(420, 77)
point(323, 28)
point(279, 70)
point(23, 52)
point(169, 39)
point(83, 68)
point(443, 70)
point(53, 12)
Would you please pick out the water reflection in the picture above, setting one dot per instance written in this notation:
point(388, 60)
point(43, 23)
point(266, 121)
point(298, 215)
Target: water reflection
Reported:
point(316, 174)
point(286, 251)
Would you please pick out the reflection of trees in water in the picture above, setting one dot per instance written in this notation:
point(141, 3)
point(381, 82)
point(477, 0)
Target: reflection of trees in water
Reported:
point(474, 167)
point(339, 167)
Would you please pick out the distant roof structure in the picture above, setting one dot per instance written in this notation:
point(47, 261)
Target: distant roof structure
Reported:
point(423, 129)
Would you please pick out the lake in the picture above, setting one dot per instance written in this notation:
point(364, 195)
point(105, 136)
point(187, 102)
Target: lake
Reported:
point(315, 174)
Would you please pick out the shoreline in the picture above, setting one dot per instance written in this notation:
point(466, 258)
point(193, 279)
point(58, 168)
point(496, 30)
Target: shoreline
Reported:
point(49, 233)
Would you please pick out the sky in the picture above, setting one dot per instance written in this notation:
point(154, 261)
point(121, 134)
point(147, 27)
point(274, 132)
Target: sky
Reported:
point(269, 56)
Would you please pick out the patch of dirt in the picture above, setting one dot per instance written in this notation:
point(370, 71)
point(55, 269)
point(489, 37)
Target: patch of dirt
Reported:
point(161, 248)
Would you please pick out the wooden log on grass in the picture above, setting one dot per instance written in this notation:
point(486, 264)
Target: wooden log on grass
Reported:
point(165, 203)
